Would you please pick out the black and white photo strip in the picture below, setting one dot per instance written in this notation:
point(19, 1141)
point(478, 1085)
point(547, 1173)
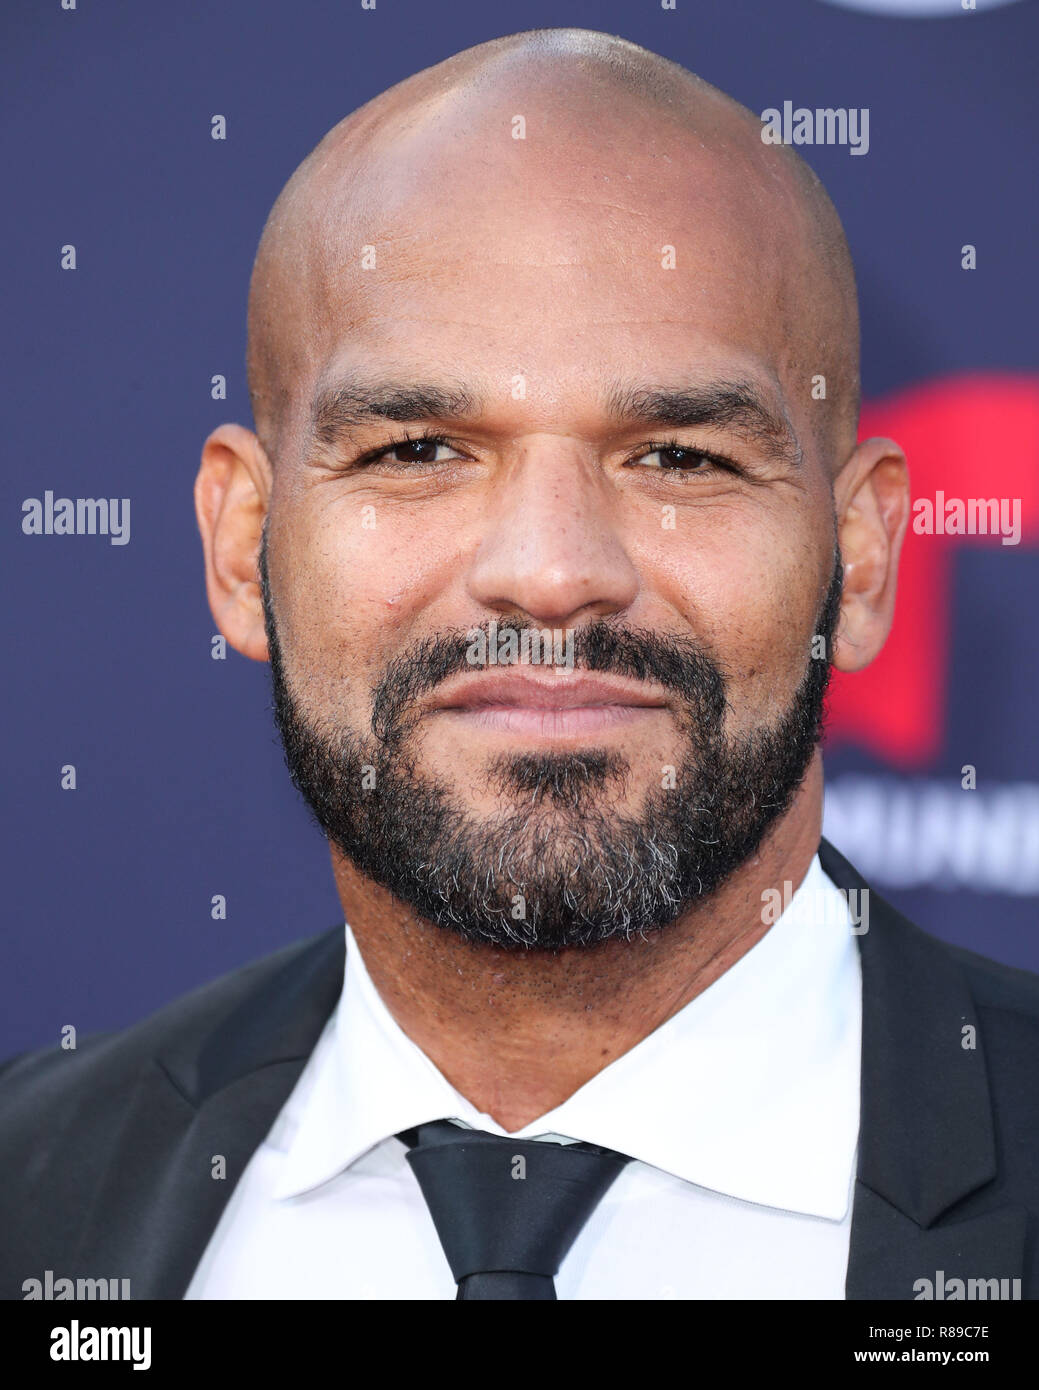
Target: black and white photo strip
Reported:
point(522, 773)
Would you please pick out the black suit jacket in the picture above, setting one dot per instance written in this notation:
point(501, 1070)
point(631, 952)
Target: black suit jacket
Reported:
point(106, 1152)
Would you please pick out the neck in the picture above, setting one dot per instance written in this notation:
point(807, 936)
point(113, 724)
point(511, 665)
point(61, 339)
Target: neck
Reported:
point(518, 1032)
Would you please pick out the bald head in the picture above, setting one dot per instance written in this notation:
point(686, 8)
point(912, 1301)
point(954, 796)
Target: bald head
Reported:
point(650, 152)
point(536, 342)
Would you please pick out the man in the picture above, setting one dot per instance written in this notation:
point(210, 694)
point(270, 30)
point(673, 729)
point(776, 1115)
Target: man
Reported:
point(553, 523)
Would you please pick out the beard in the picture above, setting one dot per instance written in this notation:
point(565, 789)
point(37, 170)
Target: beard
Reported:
point(564, 868)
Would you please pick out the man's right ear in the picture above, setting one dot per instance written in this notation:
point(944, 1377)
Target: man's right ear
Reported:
point(232, 493)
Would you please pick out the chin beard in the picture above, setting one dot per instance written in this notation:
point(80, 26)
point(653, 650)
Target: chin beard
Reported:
point(563, 868)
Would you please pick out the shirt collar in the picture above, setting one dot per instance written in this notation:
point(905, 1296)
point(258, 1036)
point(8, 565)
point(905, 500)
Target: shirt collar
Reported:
point(750, 1090)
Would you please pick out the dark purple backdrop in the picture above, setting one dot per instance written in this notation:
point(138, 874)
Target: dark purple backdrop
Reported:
point(181, 792)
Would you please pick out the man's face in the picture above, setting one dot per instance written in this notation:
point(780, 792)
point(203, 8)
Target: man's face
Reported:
point(691, 558)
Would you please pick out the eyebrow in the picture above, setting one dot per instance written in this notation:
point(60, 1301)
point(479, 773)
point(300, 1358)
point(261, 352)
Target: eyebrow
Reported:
point(736, 406)
point(340, 409)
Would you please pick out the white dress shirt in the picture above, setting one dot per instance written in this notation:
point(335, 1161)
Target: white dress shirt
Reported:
point(741, 1114)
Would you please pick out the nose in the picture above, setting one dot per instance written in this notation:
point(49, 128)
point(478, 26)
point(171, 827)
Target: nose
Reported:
point(551, 548)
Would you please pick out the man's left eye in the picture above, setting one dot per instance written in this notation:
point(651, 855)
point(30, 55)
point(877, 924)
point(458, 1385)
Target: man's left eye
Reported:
point(423, 450)
point(674, 456)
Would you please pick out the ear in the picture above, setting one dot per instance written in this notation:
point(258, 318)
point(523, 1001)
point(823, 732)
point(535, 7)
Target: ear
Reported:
point(232, 491)
point(871, 494)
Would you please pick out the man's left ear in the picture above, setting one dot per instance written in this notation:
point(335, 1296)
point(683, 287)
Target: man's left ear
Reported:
point(871, 494)
point(232, 491)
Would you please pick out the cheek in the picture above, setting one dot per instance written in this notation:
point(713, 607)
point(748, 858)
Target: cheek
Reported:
point(356, 589)
point(751, 595)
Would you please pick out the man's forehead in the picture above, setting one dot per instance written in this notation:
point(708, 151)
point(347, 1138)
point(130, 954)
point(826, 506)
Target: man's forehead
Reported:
point(557, 328)
point(655, 238)
point(477, 187)
point(636, 232)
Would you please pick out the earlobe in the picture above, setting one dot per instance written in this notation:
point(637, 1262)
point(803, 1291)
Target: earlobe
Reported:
point(232, 490)
point(872, 498)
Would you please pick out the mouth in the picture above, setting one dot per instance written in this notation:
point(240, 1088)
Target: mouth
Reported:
point(558, 703)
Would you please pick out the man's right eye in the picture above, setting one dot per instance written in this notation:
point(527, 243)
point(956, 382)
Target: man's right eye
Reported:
point(410, 450)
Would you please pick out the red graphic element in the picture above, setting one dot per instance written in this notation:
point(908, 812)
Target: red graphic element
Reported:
point(974, 436)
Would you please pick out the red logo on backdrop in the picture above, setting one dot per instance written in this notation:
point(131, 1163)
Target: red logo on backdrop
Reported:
point(973, 436)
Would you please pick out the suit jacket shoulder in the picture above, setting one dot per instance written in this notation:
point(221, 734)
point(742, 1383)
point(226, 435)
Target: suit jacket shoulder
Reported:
point(78, 1127)
point(998, 986)
point(947, 1186)
point(102, 1063)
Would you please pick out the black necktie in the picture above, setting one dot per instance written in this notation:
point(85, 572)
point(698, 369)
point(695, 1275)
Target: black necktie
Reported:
point(506, 1210)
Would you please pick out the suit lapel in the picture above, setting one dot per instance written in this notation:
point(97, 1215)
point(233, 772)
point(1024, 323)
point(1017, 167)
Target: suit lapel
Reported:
point(926, 1136)
point(891, 1254)
point(214, 1095)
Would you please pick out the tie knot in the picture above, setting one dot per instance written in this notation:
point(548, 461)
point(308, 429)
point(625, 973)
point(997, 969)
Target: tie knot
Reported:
point(504, 1204)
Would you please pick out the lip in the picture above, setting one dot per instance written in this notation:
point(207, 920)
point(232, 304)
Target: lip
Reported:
point(571, 691)
point(562, 705)
point(534, 722)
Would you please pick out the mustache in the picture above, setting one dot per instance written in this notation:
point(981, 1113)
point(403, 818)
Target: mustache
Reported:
point(677, 663)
